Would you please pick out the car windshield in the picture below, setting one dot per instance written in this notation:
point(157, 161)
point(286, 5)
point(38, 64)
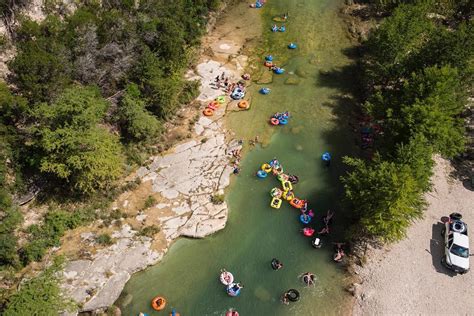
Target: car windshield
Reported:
point(460, 251)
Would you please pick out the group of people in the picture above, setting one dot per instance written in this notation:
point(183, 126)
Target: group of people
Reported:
point(236, 153)
point(222, 79)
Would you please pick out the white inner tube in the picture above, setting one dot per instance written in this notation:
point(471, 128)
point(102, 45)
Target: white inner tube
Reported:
point(459, 227)
point(226, 278)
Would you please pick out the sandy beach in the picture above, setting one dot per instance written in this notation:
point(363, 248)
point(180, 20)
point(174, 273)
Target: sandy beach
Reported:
point(408, 278)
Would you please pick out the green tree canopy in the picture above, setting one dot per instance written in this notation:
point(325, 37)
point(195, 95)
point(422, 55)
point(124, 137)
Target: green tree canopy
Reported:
point(384, 195)
point(73, 146)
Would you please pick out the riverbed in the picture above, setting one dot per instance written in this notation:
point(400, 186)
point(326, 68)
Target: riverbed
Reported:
point(316, 89)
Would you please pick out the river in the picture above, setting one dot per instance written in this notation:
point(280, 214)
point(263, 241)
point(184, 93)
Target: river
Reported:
point(320, 106)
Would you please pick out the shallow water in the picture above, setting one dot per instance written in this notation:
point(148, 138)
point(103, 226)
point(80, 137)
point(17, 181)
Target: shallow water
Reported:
point(255, 233)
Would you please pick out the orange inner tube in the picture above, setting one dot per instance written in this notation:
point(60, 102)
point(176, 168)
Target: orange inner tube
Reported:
point(274, 121)
point(268, 64)
point(158, 303)
point(244, 104)
point(208, 112)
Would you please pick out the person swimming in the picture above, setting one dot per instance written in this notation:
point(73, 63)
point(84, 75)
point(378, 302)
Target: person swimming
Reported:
point(339, 255)
point(276, 264)
point(308, 278)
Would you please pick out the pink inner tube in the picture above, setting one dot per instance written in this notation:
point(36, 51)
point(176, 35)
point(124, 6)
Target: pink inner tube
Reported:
point(226, 278)
point(274, 121)
point(232, 313)
point(308, 231)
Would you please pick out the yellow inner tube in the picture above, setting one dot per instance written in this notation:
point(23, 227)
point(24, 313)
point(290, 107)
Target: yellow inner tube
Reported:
point(266, 167)
point(244, 104)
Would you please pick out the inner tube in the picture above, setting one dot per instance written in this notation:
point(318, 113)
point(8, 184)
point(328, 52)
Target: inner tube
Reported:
point(308, 231)
point(279, 71)
point(276, 192)
point(233, 289)
point(287, 185)
point(261, 174)
point(274, 163)
point(268, 64)
point(265, 91)
point(295, 202)
point(283, 121)
point(282, 177)
point(212, 106)
point(293, 295)
point(226, 278)
point(459, 226)
point(316, 243)
point(158, 303)
point(231, 312)
point(244, 104)
point(326, 156)
point(266, 167)
point(276, 202)
point(274, 121)
point(208, 112)
point(282, 28)
point(277, 170)
point(269, 58)
point(220, 99)
point(288, 195)
point(275, 264)
point(292, 46)
point(305, 219)
point(274, 28)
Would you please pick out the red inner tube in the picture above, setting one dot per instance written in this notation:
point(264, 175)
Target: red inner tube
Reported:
point(274, 121)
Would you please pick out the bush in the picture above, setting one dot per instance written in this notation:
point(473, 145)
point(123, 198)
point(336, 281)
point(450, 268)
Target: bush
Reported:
point(217, 199)
point(104, 240)
point(149, 231)
point(149, 202)
point(39, 296)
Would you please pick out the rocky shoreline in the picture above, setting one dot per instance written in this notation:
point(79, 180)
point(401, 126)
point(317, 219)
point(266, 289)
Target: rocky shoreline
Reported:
point(184, 179)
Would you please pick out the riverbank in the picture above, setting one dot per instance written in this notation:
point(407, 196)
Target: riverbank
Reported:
point(407, 277)
point(179, 184)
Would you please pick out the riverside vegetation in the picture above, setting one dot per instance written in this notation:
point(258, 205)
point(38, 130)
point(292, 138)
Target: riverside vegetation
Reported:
point(416, 75)
point(57, 123)
point(87, 96)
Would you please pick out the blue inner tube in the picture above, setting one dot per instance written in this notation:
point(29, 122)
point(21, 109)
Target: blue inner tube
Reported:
point(274, 29)
point(305, 221)
point(233, 290)
point(269, 58)
point(283, 121)
point(292, 46)
point(264, 91)
point(261, 174)
point(282, 29)
point(326, 156)
point(279, 71)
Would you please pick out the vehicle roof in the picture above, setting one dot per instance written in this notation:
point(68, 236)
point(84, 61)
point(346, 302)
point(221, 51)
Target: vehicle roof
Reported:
point(460, 239)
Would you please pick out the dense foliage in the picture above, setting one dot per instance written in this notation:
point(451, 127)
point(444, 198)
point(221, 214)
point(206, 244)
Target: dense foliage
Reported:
point(38, 296)
point(83, 87)
point(417, 69)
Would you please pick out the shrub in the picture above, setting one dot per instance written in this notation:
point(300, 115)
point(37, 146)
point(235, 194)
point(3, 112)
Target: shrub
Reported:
point(149, 202)
point(217, 199)
point(104, 240)
point(149, 231)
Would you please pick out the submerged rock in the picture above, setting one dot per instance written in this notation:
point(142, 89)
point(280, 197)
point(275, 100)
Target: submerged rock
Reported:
point(301, 72)
point(293, 80)
point(266, 77)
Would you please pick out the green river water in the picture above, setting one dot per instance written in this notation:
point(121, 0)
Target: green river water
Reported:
point(255, 233)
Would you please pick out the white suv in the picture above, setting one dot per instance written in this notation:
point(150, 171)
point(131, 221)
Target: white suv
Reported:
point(456, 241)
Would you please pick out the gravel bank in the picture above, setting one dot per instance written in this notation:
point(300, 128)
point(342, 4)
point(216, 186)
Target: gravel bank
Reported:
point(408, 278)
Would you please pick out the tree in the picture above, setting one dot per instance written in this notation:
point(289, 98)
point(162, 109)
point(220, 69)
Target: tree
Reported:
point(433, 101)
point(392, 50)
point(385, 197)
point(39, 296)
point(72, 145)
point(134, 119)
